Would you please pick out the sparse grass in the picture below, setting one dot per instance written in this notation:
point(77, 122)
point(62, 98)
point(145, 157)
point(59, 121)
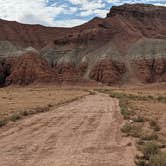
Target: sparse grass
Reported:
point(161, 99)
point(16, 99)
point(152, 156)
point(140, 142)
point(103, 90)
point(149, 149)
point(92, 92)
point(139, 119)
point(15, 117)
point(122, 95)
point(124, 108)
point(131, 130)
point(19, 115)
point(2, 122)
point(149, 137)
point(158, 160)
point(141, 162)
point(19, 102)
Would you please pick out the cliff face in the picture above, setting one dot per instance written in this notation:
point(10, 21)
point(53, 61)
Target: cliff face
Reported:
point(108, 72)
point(129, 45)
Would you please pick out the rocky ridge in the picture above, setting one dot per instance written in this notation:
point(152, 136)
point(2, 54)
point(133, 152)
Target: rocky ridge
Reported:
point(128, 46)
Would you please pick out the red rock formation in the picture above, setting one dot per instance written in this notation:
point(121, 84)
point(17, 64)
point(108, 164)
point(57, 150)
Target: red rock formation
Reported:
point(98, 41)
point(29, 68)
point(28, 35)
point(68, 72)
point(150, 70)
point(108, 72)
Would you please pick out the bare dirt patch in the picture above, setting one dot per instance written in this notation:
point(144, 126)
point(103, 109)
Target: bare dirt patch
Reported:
point(21, 100)
point(85, 132)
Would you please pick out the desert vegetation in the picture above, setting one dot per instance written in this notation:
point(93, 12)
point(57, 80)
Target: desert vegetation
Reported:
point(144, 114)
point(19, 102)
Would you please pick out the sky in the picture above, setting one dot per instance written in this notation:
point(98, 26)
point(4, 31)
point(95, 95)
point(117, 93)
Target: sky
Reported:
point(60, 13)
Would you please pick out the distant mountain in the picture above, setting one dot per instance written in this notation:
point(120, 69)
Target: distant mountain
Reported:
point(128, 46)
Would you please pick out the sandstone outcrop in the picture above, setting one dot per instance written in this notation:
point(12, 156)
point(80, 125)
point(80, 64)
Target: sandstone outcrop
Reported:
point(27, 68)
point(108, 72)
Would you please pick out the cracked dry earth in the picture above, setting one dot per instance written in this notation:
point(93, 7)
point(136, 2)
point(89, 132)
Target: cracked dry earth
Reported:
point(85, 132)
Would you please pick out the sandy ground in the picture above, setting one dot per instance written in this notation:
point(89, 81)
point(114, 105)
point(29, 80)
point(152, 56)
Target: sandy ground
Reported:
point(85, 132)
point(19, 99)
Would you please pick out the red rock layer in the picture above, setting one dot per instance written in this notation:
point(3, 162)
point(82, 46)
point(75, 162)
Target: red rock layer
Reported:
point(29, 68)
point(108, 72)
point(150, 70)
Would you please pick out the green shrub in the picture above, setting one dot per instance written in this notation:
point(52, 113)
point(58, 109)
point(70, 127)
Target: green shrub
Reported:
point(131, 130)
point(149, 149)
point(15, 117)
point(126, 128)
point(158, 160)
point(125, 112)
point(161, 99)
point(117, 95)
point(124, 108)
point(141, 162)
point(139, 119)
point(2, 122)
point(149, 137)
point(140, 142)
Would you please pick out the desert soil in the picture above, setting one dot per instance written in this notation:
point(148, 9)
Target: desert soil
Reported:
point(85, 132)
point(15, 100)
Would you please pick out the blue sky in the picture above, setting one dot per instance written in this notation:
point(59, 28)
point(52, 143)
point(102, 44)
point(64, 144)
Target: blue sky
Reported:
point(60, 13)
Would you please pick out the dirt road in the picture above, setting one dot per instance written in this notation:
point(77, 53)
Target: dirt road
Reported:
point(83, 133)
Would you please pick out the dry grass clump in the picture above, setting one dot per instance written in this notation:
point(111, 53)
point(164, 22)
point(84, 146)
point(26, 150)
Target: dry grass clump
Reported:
point(149, 149)
point(15, 117)
point(158, 160)
point(149, 137)
point(2, 122)
point(152, 156)
point(125, 111)
point(139, 119)
point(132, 130)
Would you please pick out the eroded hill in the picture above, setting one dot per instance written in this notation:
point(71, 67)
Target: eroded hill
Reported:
point(129, 45)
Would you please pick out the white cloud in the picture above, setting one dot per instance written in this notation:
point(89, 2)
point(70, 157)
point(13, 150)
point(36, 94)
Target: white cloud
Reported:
point(97, 12)
point(70, 23)
point(118, 2)
point(159, 4)
point(32, 11)
point(77, 2)
point(90, 7)
point(39, 12)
